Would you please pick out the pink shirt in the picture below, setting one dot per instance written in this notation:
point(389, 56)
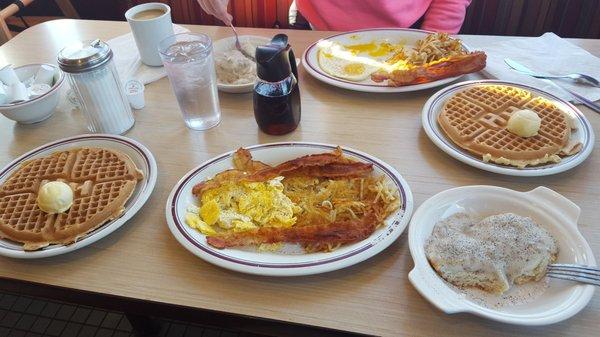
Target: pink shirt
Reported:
point(439, 15)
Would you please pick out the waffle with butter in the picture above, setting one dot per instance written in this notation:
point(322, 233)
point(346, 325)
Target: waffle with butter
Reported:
point(475, 119)
point(102, 181)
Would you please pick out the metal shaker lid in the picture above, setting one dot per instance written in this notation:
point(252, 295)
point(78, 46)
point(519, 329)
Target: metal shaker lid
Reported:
point(84, 56)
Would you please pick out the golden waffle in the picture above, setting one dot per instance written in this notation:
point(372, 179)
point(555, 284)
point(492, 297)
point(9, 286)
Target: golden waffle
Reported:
point(476, 118)
point(102, 181)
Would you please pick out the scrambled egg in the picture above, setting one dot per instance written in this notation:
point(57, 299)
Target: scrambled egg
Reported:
point(243, 206)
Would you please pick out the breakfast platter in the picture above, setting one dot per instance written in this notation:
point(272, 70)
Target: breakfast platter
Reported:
point(289, 260)
point(112, 177)
point(349, 60)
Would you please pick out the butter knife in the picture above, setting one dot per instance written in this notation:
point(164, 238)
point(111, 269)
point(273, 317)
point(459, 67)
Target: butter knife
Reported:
point(524, 70)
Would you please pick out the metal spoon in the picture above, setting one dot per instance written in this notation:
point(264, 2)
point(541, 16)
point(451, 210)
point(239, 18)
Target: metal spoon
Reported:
point(238, 45)
point(581, 78)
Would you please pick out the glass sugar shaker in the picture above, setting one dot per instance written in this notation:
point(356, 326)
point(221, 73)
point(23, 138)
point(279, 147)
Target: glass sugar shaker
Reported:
point(94, 79)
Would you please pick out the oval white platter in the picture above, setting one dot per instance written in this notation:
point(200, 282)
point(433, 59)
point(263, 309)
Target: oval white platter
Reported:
point(557, 214)
point(141, 156)
point(249, 260)
point(397, 35)
point(434, 105)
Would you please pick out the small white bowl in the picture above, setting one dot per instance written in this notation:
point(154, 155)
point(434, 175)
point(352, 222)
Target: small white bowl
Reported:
point(228, 43)
point(557, 214)
point(39, 108)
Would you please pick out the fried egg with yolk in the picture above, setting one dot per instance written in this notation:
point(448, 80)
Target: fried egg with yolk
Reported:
point(339, 62)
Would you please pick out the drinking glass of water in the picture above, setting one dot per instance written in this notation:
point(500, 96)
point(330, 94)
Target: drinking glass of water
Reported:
point(188, 59)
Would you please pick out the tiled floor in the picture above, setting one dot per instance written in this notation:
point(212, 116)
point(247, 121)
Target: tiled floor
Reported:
point(23, 316)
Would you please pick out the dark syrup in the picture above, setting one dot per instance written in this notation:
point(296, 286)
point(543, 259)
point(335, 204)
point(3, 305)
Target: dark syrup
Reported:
point(277, 106)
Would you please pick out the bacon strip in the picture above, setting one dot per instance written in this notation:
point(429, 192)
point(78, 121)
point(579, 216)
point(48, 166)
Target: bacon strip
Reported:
point(218, 180)
point(326, 165)
point(450, 67)
point(320, 159)
point(333, 171)
point(317, 236)
point(243, 165)
point(242, 160)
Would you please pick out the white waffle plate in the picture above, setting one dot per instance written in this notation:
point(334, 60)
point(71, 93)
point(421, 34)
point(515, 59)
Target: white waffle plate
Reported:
point(141, 156)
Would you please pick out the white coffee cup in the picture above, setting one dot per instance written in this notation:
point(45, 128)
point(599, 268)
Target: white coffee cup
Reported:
point(148, 32)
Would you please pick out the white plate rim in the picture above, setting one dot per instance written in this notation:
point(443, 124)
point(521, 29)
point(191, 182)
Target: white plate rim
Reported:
point(217, 257)
point(105, 229)
point(314, 70)
point(454, 151)
point(422, 271)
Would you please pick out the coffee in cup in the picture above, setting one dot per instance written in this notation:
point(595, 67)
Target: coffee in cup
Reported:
point(148, 14)
point(150, 23)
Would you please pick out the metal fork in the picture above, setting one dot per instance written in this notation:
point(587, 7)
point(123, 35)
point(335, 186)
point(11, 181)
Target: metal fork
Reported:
point(577, 77)
point(238, 45)
point(581, 78)
point(575, 272)
point(524, 70)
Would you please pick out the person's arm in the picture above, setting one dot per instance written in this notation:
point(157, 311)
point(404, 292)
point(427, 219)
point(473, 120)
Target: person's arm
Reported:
point(217, 8)
point(445, 15)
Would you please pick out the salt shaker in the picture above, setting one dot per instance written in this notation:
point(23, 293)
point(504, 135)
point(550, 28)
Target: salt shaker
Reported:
point(94, 79)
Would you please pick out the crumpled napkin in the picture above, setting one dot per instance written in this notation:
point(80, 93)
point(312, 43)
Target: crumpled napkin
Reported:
point(546, 54)
point(127, 59)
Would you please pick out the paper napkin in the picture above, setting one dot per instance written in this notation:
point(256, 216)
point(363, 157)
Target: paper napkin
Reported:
point(547, 54)
point(128, 62)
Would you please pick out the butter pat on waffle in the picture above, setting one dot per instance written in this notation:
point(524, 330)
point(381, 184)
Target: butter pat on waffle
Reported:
point(476, 120)
point(102, 181)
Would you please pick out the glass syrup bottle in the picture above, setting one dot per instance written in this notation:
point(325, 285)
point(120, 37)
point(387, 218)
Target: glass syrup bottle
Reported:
point(276, 92)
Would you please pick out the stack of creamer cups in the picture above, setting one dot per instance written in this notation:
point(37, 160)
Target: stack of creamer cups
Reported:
point(13, 91)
